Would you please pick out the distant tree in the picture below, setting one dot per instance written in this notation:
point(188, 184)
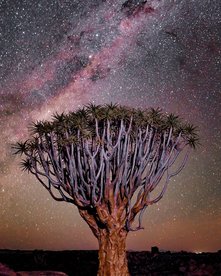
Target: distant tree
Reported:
point(107, 160)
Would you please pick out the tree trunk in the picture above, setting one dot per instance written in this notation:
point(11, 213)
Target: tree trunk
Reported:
point(112, 253)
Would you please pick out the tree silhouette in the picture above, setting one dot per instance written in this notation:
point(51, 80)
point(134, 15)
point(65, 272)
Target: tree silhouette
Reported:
point(107, 160)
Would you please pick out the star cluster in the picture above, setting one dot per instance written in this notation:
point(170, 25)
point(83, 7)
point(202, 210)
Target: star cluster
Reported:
point(58, 55)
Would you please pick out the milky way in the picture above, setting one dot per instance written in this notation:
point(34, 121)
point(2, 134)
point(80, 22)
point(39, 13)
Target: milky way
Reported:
point(56, 56)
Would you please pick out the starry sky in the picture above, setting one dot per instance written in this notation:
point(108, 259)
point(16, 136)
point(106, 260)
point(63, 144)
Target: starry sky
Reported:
point(58, 55)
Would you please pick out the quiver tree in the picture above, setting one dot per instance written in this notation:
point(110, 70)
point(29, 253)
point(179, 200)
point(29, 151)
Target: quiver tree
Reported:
point(107, 160)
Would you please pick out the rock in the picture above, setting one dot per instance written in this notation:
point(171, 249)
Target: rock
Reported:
point(154, 250)
point(6, 271)
point(41, 273)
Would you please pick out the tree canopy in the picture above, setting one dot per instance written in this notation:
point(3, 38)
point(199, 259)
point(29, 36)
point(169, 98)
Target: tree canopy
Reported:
point(103, 154)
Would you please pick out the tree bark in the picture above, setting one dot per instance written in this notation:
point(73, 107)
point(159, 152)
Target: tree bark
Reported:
point(112, 253)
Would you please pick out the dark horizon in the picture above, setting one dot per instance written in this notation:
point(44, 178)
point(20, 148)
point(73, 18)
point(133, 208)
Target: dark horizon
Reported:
point(75, 263)
point(161, 250)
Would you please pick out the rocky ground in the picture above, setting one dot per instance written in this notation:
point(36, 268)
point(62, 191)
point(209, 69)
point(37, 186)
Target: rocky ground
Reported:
point(85, 263)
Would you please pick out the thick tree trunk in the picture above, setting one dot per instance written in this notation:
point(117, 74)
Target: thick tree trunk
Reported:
point(112, 253)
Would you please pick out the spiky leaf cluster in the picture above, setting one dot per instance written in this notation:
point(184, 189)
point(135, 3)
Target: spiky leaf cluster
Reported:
point(90, 121)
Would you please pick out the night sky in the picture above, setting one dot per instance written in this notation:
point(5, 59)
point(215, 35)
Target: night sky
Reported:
point(58, 55)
